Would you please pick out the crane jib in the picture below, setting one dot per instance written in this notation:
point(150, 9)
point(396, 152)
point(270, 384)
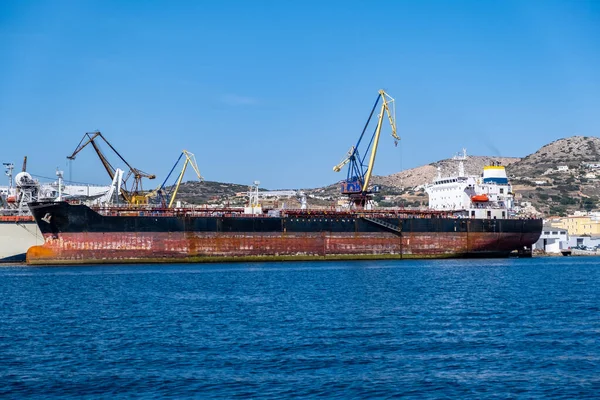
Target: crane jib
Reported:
point(131, 195)
point(359, 173)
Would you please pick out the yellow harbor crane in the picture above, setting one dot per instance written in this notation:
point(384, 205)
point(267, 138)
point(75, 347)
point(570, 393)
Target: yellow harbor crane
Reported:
point(191, 160)
point(167, 198)
point(356, 185)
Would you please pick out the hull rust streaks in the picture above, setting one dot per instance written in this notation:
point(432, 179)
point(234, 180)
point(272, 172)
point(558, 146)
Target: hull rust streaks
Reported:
point(76, 234)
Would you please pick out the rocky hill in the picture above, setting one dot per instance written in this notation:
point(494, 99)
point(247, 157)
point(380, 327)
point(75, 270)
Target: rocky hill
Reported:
point(207, 192)
point(571, 152)
point(536, 179)
point(449, 167)
point(560, 178)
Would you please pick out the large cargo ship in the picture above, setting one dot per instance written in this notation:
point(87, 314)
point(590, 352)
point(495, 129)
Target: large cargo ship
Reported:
point(77, 234)
point(468, 217)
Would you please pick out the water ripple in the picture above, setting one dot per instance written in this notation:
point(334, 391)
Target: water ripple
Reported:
point(414, 329)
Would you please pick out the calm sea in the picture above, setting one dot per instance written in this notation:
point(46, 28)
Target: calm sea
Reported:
point(525, 328)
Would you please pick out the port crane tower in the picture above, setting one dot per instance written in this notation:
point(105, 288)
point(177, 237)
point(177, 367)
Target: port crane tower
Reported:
point(356, 184)
point(165, 196)
point(134, 195)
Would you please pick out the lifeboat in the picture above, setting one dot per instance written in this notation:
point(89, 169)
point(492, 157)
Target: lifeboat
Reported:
point(11, 199)
point(480, 198)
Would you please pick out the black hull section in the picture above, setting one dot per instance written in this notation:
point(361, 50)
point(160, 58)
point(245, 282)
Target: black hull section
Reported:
point(77, 234)
point(66, 218)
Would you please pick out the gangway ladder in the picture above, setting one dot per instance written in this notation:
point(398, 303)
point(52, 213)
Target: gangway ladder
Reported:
point(384, 224)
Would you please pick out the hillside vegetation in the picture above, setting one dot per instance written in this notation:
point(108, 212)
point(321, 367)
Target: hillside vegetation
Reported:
point(535, 178)
point(571, 151)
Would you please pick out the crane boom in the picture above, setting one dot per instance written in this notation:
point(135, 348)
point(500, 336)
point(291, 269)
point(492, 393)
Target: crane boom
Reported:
point(191, 160)
point(132, 195)
point(384, 109)
point(345, 161)
point(109, 168)
point(356, 184)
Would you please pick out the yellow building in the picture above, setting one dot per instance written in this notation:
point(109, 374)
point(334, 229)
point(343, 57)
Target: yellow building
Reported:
point(577, 226)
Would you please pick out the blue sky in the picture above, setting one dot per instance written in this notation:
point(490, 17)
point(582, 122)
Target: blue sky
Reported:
point(277, 91)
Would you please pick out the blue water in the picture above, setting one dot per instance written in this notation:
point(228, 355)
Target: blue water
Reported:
point(525, 328)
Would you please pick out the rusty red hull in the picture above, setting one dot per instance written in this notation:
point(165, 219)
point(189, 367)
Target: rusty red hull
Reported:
point(177, 247)
point(81, 236)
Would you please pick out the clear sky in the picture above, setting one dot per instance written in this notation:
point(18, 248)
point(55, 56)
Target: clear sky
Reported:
point(277, 91)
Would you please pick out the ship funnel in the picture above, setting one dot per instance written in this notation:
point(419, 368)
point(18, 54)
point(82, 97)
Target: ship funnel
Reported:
point(495, 174)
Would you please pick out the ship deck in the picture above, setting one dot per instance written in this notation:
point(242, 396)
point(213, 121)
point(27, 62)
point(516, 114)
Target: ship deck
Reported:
point(140, 211)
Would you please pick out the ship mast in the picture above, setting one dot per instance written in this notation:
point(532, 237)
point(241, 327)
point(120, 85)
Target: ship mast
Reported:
point(461, 166)
point(9, 172)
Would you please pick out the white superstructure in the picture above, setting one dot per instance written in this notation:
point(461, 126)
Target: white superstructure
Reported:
point(14, 198)
point(486, 196)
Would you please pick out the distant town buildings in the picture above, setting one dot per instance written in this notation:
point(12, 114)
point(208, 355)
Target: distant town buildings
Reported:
point(578, 225)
